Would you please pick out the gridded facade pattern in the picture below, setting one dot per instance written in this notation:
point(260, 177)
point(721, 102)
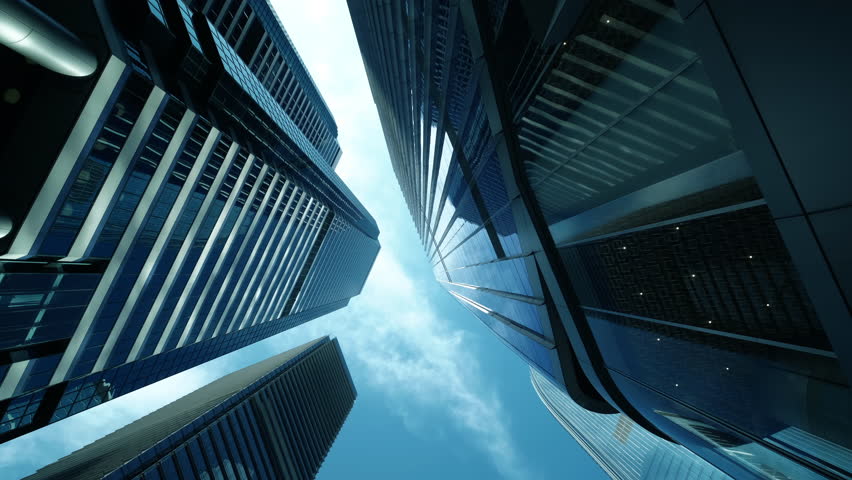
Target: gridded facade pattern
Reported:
point(342, 263)
point(624, 102)
point(158, 242)
point(579, 187)
point(674, 256)
point(255, 33)
point(675, 274)
point(239, 93)
point(624, 450)
point(444, 158)
point(272, 420)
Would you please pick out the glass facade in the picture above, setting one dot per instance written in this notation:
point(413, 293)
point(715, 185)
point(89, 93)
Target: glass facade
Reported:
point(684, 278)
point(275, 419)
point(624, 450)
point(452, 182)
point(257, 37)
point(586, 181)
point(164, 237)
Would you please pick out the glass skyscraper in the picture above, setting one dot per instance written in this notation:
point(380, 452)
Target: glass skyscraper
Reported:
point(624, 450)
point(176, 205)
point(643, 200)
point(272, 420)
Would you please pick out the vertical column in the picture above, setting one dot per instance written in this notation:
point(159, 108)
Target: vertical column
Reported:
point(285, 245)
point(166, 232)
point(280, 287)
point(80, 135)
point(98, 214)
point(120, 257)
point(187, 244)
point(224, 254)
point(247, 243)
point(208, 246)
point(158, 180)
point(276, 217)
point(241, 285)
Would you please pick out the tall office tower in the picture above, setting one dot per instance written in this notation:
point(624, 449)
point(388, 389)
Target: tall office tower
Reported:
point(253, 30)
point(624, 450)
point(644, 200)
point(159, 213)
point(273, 420)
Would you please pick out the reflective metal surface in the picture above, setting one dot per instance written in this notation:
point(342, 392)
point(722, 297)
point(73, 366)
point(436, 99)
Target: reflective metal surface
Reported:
point(33, 34)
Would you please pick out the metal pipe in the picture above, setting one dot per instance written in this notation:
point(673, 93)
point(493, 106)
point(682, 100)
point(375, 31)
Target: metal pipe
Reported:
point(5, 225)
point(30, 32)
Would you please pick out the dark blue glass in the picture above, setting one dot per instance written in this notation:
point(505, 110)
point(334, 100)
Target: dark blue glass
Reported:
point(476, 248)
point(527, 348)
point(184, 464)
point(41, 307)
point(508, 275)
point(490, 182)
point(248, 264)
point(38, 373)
point(297, 240)
point(467, 220)
point(246, 423)
point(96, 167)
point(215, 252)
point(168, 467)
point(198, 459)
point(228, 261)
point(237, 448)
point(140, 175)
point(199, 241)
point(135, 260)
point(521, 312)
point(224, 454)
point(777, 395)
point(152, 474)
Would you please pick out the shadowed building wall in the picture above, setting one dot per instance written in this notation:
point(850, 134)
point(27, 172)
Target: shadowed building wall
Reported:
point(623, 193)
point(166, 210)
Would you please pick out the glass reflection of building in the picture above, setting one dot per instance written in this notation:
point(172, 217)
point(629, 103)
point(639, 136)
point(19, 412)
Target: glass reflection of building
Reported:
point(624, 450)
point(176, 205)
point(645, 201)
point(272, 420)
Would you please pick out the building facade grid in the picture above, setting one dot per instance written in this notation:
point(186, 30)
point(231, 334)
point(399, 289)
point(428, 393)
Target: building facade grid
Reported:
point(159, 207)
point(594, 182)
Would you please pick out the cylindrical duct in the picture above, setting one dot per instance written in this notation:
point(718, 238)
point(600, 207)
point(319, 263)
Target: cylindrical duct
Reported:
point(30, 32)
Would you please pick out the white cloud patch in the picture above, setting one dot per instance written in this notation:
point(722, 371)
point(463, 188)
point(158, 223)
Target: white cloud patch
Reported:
point(421, 362)
point(395, 343)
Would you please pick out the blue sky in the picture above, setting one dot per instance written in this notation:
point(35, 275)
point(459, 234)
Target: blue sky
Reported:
point(439, 395)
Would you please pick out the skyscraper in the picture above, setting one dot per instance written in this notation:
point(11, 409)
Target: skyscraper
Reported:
point(624, 450)
point(171, 207)
point(638, 198)
point(272, 420)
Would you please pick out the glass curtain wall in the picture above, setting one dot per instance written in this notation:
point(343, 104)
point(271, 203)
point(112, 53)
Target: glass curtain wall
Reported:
point(624, 450)
point(683, 277)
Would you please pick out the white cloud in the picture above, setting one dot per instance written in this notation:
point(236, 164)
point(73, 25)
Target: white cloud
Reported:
point(395, 342)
